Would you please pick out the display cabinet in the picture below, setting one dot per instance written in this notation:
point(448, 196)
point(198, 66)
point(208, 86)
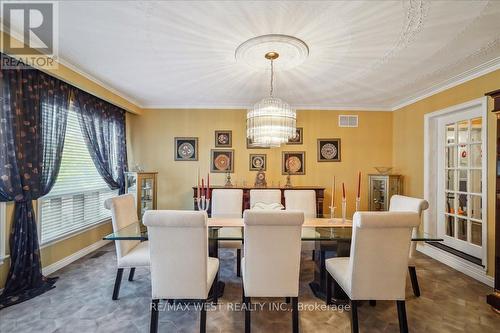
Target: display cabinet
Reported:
point(143, 186)
point(380, 190)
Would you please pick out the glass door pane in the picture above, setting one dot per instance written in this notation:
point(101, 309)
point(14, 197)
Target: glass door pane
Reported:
point(462, 214)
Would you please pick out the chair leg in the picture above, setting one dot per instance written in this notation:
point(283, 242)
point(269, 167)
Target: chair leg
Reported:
point(131, 274)
point(354, 316)
point(203, 318)
point(313, 254)
point(153, 328)
point(118, 282)
point(414, 281)
point(238, 262)
point(328, 288)
point(247, 314)
point(295, 314)
point(216, 289)
point(403, 324)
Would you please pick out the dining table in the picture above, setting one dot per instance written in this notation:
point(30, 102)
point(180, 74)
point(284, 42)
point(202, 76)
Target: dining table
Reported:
point(332, 237)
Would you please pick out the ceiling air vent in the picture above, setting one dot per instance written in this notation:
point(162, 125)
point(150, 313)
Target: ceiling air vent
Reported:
point(348, 121)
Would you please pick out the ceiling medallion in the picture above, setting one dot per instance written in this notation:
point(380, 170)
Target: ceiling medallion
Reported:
point(271, 122)
point(292, 51)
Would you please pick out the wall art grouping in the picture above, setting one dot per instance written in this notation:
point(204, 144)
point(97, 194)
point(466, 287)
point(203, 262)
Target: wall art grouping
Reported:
point(222, 160)
point(186, 149)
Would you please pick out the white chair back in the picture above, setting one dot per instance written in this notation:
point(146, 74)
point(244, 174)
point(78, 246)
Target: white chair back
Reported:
point(123, 213)
point(227, 203)
point(265, 196)
point(271, 262)
point(401, 203)
point(301, 200)
point(178, 245)
point(379, 254)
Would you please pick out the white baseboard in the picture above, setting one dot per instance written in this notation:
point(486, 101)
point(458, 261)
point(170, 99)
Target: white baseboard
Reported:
point(474, 271)
point(71, 258)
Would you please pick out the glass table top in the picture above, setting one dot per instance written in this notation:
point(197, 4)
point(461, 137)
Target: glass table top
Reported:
point(137, 231)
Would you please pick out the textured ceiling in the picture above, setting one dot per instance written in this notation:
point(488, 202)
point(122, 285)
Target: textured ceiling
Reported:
point(363, 54)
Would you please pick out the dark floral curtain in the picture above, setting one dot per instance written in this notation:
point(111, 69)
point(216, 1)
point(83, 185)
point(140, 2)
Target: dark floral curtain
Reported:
point(103, 127)
point(33, 113)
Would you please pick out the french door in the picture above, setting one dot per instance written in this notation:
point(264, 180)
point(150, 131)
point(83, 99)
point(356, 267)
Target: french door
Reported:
point(461, 175)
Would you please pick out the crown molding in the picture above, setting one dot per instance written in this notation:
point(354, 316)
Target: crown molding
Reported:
point(248, 106)
point(483, 69)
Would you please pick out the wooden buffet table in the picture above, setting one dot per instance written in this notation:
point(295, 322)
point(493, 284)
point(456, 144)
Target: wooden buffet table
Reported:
point(320, 195)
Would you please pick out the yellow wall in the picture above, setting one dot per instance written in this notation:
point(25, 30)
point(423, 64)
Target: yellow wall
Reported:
point(408, 141)
point(53, 253)
point(151, 144)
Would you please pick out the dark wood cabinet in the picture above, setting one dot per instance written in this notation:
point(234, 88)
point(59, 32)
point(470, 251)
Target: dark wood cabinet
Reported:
point(320, 195)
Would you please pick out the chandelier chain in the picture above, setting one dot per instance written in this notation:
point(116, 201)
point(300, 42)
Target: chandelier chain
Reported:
point(272, 78)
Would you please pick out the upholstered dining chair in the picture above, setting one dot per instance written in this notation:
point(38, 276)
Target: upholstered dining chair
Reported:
point(228, 203)
point(271, 261)
point(304, 201)
point(180, 265)
point(401, 203)
point(267, 197)
point(129, 253)
point(376, 268)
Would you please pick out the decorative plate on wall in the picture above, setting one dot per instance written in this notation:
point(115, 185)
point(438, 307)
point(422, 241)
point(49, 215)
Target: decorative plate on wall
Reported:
point(223, 138)
point(222, 160)
point(293, 162)
point(258, 162)
point(186, 149)
point(298, 139)
point(328, 150)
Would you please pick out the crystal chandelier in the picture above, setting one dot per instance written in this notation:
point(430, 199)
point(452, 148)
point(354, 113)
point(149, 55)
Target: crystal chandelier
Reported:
point(271, 122)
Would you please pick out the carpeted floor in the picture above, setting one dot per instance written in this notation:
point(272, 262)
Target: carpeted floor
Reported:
point(81, 302)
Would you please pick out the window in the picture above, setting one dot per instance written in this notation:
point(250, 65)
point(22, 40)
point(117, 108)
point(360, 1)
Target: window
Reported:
point(76, 201)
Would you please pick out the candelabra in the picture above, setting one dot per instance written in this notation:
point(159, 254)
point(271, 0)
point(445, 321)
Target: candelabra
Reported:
point(203, 203)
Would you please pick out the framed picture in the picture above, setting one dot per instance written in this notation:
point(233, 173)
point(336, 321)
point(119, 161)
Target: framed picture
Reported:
point(222, 160)
point(328, 150)
point(258, 162)
point(185, 149)
point(299, 137)
point(223, 138)
point(293, 162)
point(249, 145)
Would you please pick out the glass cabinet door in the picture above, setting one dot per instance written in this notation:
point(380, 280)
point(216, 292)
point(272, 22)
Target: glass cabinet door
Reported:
point(378, 194)
point(147, 186)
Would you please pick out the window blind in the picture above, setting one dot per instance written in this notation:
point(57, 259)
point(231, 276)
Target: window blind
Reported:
point(76, 201)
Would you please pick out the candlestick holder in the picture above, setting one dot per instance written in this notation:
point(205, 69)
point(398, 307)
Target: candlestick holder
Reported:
point(228, 180)
point(358, 202)
point(344, 209)
point(203, 203)
point(332, 211)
